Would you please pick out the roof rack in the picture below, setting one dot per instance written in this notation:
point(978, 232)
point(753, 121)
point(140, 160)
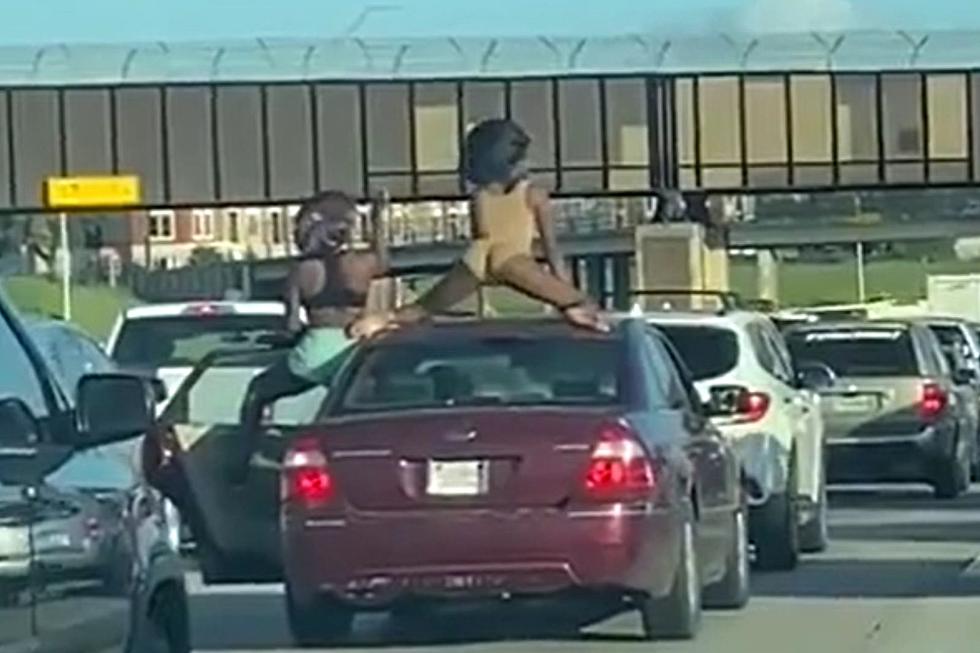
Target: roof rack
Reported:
point(727, 300)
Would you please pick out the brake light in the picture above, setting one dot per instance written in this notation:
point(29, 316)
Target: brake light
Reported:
point(752, 406)
point(932, 402)
point(619, 467)
point(305, 478)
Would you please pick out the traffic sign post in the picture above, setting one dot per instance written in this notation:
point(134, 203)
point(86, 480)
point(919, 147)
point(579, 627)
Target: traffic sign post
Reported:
point(77, 193)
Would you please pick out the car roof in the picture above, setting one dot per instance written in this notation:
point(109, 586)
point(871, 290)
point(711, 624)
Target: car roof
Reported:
point(179, 309)
point(840, 325)
point(465, 328)
point(729, 318)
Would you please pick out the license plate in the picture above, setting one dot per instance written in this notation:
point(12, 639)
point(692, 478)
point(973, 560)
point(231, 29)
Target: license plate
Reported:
point(863, 404)
point(456, 478)
point(52, 541)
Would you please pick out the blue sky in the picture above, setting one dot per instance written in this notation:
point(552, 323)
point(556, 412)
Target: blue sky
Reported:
point(25, 22)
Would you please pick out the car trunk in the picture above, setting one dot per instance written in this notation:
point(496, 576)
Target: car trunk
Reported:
point(502, 459)
point(872, 406)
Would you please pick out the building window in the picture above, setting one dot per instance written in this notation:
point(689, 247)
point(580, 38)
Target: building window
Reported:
point(203, 224)
point(275, 226)
point(232, 225)
point(161, 225)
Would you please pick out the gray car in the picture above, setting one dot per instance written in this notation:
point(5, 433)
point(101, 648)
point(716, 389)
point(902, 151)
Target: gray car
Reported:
point(46, 440)
point(896, 412)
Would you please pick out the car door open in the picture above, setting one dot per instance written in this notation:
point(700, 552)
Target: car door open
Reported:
point(191, 453)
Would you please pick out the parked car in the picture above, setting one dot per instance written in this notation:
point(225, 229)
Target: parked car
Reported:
point(776, 426)
point(896, 412)
point(41, 432)
point(506, 459)
point(167, 340)
point(72, 354)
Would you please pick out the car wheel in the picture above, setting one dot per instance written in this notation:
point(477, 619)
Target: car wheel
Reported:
point(678, 614)
point(732, 591)
point(814, 533)
point(320, 623)
point(164, 629)
point(953, 477)
point(775, 530)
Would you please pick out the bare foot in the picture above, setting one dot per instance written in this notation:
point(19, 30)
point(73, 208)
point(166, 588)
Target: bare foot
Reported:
point(587, 317)
point(369, 325)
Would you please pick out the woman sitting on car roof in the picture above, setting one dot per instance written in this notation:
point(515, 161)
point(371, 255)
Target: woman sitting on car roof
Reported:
point(330, 280)
point(508, 210)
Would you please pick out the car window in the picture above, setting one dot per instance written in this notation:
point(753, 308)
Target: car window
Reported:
point(936, 361)
point(184, 341)
point(707, 351)
point(18, 376)
point(112, 467)
point(679, 381)
point(561, 371)
point(762, 349)
point(782, 361)
point(857, 351)
point(653, 361)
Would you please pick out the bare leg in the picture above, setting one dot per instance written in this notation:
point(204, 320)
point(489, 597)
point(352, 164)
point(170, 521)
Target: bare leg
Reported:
point(526, 275)
point(457, 284)
point(275, 383)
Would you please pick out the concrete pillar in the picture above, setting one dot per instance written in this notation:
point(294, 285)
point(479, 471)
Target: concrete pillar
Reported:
point(676, 257)
point(767, 269)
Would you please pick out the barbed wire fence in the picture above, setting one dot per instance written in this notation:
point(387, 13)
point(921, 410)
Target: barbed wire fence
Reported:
point(358, 58)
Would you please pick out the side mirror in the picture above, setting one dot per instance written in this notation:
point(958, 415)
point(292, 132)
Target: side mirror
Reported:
point(113, 407)
point(25, 459)
point(815, 376)
point(724, 400)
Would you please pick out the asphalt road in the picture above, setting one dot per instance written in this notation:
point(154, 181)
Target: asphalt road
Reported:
point(902, 575)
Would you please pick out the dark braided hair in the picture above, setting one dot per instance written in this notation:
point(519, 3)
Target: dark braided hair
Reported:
point(493, 150)
point(325, 222)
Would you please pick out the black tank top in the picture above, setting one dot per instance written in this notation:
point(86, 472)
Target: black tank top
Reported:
point(335, 293)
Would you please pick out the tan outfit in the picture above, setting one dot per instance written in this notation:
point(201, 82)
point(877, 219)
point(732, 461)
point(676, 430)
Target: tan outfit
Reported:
point(500, 253)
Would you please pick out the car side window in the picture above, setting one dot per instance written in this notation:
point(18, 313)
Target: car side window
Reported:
point(781, 358)
point(935, 362)
point(18, 375)
point(653, 368)
point(680, 389)
point(763, 352)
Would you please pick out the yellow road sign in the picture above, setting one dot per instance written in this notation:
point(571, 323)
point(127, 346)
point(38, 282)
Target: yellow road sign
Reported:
point(91, 192)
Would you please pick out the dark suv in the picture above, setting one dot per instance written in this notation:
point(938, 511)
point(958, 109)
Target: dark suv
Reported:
point(897, 411)
point(85, 563)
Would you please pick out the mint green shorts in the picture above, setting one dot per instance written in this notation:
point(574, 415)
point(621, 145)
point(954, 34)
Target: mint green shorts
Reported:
point(319, 353)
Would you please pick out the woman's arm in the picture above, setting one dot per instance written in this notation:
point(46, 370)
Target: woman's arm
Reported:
point(379, 232)
point(293, 321)
point(540, 203)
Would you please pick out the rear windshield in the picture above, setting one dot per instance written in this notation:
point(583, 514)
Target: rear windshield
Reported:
point(857, 352)
point(485, 372)
point(707, 351)
point(183, 341)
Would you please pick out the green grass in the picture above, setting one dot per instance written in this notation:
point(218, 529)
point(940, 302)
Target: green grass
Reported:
point(802, 284)
point(94, 308)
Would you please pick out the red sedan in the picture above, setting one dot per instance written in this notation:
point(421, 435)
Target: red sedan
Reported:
point(511, 459)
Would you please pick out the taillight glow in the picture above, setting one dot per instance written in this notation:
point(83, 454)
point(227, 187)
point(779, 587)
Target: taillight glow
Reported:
point(305, 478)
point(932, 402)
point(752, 406)
point(619, 467)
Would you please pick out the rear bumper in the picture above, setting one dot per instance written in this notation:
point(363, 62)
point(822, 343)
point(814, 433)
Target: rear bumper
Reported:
point(373, 560)
point(889, 458)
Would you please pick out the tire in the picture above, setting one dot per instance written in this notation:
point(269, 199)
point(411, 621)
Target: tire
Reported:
point(321, 623)
point(165, 628)
point(678, 614)
point(814, 534)
point(775, 529)
point(953, 475)
point(732, 591)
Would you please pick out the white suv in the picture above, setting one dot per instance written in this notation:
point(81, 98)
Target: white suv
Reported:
point(774, 423)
